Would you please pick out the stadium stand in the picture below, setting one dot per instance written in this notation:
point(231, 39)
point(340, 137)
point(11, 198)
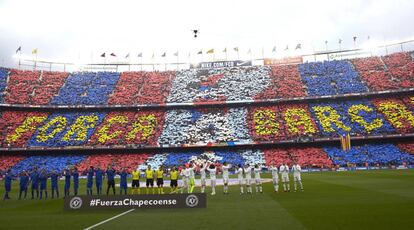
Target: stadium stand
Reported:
point(308, 157)
point(220, 156)
point(285, 82)
point(407, 147)
point(118, 161)
point(8, 161)
point(208, 125)
point(86, 89)
point(372, 154)
point(139, 87)
point(331, 78)
point(33, 87)
point(17, 127)
point(200, 117)
point(227, 84)
point(361, 75)
point(49, 163)
point(3, 82)
point(120, 128)
point(389, 72)
point(374, 72)
point(58, 132)
point(401, 67)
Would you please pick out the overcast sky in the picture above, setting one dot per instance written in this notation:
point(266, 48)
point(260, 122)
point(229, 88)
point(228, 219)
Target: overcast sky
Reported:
point(80, 30)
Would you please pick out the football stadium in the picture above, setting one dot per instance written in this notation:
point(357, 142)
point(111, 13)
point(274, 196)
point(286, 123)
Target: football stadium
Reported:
point(209, 115)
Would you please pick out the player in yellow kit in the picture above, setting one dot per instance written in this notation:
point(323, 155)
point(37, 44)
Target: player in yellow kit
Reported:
point(160, 181)
point(173, 179)
point(149, 175)
point(135, 182)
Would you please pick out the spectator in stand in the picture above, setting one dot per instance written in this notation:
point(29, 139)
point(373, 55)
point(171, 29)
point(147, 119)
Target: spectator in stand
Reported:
point(24, 183)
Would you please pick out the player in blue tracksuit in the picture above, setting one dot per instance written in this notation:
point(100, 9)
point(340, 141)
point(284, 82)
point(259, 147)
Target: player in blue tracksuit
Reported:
point(34, 177)
point(43, 182)
point(123, 183)
point(75, 175)
point(67, 182)
point(98, 180)
point(54, 184)
point(89, 182)
point(110, 175)
point(24, 182)
point(7, 184)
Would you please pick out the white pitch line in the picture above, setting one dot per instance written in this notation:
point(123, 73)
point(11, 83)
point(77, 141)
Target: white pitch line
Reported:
point(107, 220)
point(102, 222)
point(119, 215)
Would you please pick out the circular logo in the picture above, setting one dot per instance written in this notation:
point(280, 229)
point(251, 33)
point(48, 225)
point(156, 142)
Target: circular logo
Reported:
point(75, 203)
point(191, 201)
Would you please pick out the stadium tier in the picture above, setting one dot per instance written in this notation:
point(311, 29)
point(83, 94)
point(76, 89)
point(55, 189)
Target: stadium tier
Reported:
point(31, 87)
point(119, 161)
point(308, 157)
point(242, 106)
point(407, 147)
point(392, 72)
point(208, 126)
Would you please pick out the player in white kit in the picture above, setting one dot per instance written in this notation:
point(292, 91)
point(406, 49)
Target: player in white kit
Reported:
point(296, 176)
point(225, 168)
point(191, 178)
point(275, 176)
point(212, 171)
point(239, 172)
point(203, 168)
point(185, 175)
point(257, 178)
point(284, 171)
point(248, 175)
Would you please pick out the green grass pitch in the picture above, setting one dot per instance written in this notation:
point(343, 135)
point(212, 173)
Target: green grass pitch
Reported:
point(382, 199)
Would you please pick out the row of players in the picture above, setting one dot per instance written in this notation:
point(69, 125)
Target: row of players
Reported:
point(38, 180)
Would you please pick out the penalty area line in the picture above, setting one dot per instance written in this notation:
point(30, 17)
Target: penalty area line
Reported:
point(107, 220)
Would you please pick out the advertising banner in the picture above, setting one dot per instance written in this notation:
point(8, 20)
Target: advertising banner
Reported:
point(220, 64)
point(283, 61)
point(194, 200)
